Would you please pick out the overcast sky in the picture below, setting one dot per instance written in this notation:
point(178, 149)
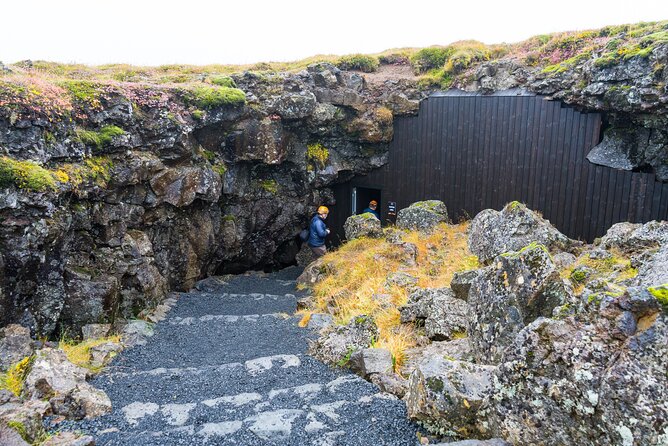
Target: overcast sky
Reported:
point(148, 32)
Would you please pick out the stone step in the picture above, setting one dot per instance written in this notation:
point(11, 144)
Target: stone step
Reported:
point(175, 341)
point(200, 304)
point(226, 318)
point(229, 423)
point(267, 376)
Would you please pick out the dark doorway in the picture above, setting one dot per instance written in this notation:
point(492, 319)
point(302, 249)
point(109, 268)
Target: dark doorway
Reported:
point(362, 196)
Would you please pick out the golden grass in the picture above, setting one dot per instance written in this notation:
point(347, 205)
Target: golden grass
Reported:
point(79, 352)
point(16, 375)
point(360, 269)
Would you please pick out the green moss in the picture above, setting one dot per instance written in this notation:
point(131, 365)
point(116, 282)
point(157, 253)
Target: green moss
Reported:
point(49, 137)
point(85, 92)
point(270, 186)
point(197, 114)
point(220, 168)
point(229, 217)
point(359, 62)
point(98, 139)
point(579, 275)
point(567, 64)
point(209, 155)
point(660, 292)
point(346, 358)
point(26, 175)
point(223, 81)
point(530, 247)
point(209, 97)
point(98, 168)
point(317, 154)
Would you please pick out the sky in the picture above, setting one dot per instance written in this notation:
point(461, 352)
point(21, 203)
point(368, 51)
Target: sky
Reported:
point(148, 32)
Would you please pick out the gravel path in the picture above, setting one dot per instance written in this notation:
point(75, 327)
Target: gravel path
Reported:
point(228, 367)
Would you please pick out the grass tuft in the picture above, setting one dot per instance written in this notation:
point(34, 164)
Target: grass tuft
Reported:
point(79, 352)
point(15, 377)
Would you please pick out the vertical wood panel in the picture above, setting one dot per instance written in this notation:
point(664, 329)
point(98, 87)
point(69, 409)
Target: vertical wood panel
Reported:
point(477, 152)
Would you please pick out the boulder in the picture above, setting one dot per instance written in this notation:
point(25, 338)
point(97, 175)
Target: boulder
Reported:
point(95, 331)
point(652, 268)
point(101, 355)
point(423, 215)
point(319, 321)
point(135, 332)
point(587, 379)
point(632, 238)
point(492, 232)
point(338, 343)
point(9, 436)
point(390, 383)
point(369, 361)
point(457, 349)
point(64, 384)
point(363, 225)
point(512, 292)
point(401, 280)
point(313, 273)
point(305, 256)
point(442, 314)
point(29, 415)
point(15, 344)
point(446, 395)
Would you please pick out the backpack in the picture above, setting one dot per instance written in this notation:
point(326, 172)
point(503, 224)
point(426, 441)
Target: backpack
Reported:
point(304, 234)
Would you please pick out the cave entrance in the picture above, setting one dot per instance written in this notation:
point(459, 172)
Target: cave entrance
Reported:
point(361, 197)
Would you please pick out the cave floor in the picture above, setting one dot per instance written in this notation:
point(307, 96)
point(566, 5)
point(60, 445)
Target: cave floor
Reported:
point(229, 366)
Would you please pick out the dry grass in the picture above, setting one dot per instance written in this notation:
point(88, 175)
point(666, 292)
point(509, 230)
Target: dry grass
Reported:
point(360, 269)
point(79, 352)
point(16, 375)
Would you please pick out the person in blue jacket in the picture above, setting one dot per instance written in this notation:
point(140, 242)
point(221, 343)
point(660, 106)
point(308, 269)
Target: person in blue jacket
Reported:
point(373, 205)
point(318, 231)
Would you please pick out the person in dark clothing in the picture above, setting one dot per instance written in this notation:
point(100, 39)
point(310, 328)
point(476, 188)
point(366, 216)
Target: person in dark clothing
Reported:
point(373, 205)
point(318, 231)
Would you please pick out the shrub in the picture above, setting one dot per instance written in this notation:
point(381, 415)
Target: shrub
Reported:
point(429, 58)
point(25, 175)
point(208, 97)
point(361, 62)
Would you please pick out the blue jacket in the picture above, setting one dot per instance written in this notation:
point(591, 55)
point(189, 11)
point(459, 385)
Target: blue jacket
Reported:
point(371, 211)
point(317, 232)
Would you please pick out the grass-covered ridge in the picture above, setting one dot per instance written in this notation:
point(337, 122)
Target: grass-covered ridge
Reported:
point(56, 89)
point(360, 270)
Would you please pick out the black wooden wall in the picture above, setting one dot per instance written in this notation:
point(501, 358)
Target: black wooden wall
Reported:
point(475, 152)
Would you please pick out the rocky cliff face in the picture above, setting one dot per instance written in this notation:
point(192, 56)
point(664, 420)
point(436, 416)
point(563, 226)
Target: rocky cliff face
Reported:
point(629, 89)
point(143, 189)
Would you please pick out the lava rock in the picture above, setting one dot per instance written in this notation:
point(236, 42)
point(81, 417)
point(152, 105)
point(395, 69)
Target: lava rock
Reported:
point(492, 233)
point(338, 343)
point(512, 292)
point(95, 331)
point(461, 283)
point(447, 395)
point(423, 215)
point(442, 314)
point(15, 344)
point(369, 361)
point(363, 225)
